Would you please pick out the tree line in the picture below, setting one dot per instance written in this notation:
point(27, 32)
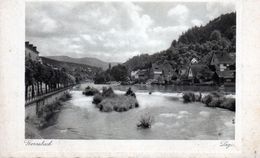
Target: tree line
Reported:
point(42, 78)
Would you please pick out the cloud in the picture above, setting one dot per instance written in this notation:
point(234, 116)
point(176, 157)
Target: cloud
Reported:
point(196, 22)
point(215, 8)
point(179, 12)
point(112, 31)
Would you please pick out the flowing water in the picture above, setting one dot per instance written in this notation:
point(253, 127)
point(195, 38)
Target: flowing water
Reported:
point(79, 119)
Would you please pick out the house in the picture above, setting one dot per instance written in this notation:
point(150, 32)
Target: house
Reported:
point(224, 66)
point(31, 52)
point(199, 73)
point(182, 71)
point(156, 72)
point(140, 75)
point(227, 76)
point(134, 75)
point(194, 61)
point(143, 75)
point(221, 61)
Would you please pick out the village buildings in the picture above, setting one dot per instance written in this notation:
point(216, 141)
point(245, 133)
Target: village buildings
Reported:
point(31, 52)
point(220, 70)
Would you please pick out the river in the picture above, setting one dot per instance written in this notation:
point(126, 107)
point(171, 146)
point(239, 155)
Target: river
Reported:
point(79, 119)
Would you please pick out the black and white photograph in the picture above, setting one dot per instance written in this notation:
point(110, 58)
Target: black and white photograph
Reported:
point(130, 70)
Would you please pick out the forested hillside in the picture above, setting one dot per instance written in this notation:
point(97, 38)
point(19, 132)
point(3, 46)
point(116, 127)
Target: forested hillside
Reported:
point(79, 71)
point(219, 35)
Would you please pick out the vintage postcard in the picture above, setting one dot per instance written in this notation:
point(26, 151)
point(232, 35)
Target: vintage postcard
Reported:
point(128, 79)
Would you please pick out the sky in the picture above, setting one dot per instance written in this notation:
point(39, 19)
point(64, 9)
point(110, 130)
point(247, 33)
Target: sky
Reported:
point(113, 31)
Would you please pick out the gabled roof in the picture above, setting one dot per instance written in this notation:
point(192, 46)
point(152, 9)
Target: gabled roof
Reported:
point(200, 69)
point(223, 58)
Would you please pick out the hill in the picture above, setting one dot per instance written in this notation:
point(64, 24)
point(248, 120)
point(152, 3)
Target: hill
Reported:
point(86, 60)
point(79, 71)
point(219, 35)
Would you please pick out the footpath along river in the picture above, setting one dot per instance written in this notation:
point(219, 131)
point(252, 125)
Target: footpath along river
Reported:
point(79, 119)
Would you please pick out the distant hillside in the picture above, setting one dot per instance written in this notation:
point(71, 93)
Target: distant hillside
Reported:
point(225, 24)
point(219, 35)
point(79, 71)
point(88, 61)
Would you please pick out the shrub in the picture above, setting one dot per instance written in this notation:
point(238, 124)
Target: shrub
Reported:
point(119, 103)
point(207, 99)
point(198, 97)
point(97, 98)
point(188, 97)
point(215, 103)
point(108, 92)
point(129, 92)
point(65, 97)
point(90, 91)
point(216, 94)
point(229, 103)
point(145, 122)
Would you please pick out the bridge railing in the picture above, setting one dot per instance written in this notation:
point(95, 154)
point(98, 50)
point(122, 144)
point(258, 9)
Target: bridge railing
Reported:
point(30, 100)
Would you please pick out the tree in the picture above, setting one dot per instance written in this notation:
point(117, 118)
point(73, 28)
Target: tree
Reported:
point(215, 35)
point(119, 72)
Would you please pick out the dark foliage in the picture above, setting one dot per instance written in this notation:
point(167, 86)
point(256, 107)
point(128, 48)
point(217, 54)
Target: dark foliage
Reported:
point(90, 91)
point(188, 97)
point(145, 122)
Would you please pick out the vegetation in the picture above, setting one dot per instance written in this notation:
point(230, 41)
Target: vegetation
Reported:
point(218, 100)
point(207, 99)
point(79, 71)
point(97, 98)
point(188, 97)
point(129, 92)
point(213, 99)
point(90, 91)
point(108, 101)
point(145, 121)
point(116, 73)
point(65, 97)
point(37, 75)
point(229, 103)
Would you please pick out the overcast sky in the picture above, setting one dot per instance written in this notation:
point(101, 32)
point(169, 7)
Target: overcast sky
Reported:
point(113, 31)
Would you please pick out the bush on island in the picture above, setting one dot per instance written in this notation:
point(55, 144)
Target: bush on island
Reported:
point(229, 103)
point(108, 101)
point(215, 103)
point(108, 92)
point(188, 97)
point(207, 99)
point(198, 97)
point(97, 98)
point(119, 103)
point(90, 91)
point(217, 94)
point(145, 122)
point(129, 92)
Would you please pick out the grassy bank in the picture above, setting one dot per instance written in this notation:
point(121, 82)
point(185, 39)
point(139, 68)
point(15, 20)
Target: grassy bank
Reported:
point(43, 116)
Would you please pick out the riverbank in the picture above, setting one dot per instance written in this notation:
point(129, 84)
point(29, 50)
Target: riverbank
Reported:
point(41, 120)
point(213, 100)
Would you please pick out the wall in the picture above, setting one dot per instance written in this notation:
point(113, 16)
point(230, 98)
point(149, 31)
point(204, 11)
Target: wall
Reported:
point(33, 107)
point(31, 54)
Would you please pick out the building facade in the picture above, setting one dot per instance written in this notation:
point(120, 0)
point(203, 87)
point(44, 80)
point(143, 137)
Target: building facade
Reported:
point(31, 52)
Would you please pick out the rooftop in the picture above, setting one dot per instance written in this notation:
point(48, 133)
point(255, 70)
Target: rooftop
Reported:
point(31, 47)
